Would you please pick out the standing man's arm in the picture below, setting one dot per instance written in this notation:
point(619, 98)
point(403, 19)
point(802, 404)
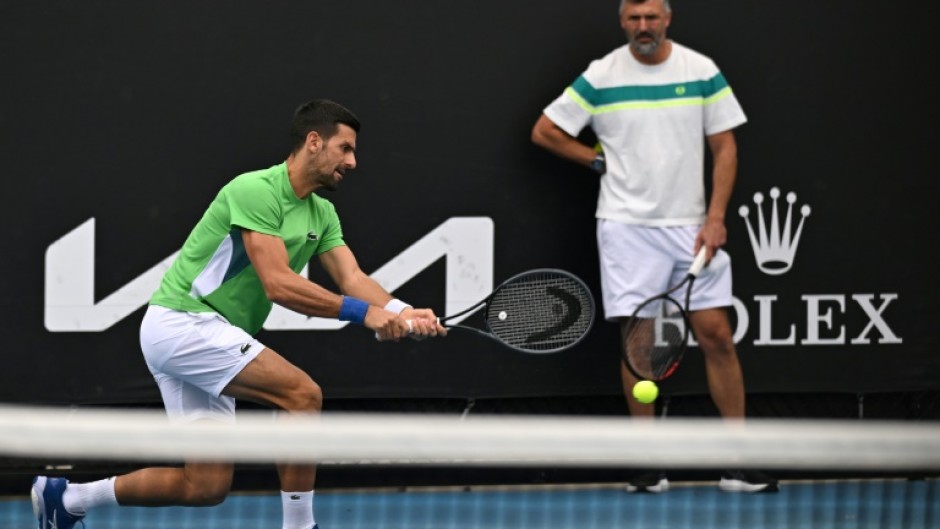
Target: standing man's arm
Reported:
point(548, 135)
point(724, 151)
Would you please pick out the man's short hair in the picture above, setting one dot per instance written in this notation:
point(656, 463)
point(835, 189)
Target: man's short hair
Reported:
point(623, 3)
point(321, 115)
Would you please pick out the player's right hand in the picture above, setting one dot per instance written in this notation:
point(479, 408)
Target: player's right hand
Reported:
point(387, 325)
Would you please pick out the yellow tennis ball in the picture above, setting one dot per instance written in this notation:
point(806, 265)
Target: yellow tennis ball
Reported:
point(645, 391)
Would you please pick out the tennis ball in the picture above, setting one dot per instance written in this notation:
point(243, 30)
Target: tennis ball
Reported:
point(645, 391)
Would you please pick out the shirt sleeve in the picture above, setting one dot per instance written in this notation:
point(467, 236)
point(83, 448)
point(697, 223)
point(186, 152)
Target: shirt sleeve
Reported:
point(571, 111)
point(333, 235)
point(254, 206)
point(722, 110)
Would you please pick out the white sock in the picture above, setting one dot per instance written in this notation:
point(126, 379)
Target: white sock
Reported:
point(298, 510)
point(81, 496)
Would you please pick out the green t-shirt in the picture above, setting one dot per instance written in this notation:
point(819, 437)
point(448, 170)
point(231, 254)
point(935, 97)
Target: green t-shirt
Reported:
point(213, 273)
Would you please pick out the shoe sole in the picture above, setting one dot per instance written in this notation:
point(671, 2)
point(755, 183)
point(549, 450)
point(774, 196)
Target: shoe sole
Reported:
point(658, 488)
point(734, 485)
point(39, 504)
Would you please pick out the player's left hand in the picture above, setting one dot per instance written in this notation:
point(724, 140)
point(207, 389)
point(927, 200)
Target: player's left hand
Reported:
point(713, 235)
point(423, 323)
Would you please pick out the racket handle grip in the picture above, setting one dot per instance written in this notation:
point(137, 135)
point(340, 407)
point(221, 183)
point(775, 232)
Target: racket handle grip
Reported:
point(699, 262)
point(411, 329)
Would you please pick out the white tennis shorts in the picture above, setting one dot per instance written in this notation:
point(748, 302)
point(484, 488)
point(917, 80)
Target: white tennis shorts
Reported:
point(193, 356)
point(639, 262)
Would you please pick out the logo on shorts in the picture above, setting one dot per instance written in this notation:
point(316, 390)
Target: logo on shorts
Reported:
point(312, 236)
point(774, 246)
point(244, 349)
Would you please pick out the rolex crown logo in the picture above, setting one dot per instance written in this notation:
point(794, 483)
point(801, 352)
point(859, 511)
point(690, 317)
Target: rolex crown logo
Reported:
point(774, 246)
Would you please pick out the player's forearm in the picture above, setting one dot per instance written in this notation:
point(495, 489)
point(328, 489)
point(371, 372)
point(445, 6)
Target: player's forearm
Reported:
point(361, 286)
point(724, 174)
point(571, 150)
point(304, 296)
point(722, 187)
point(550, 137)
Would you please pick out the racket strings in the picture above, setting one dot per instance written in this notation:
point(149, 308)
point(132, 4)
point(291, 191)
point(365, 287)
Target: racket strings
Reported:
point(655, 339)
point(541, 311)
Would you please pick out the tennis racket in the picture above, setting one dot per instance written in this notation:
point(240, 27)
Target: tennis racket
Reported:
point(539, 311)
point(658, 331)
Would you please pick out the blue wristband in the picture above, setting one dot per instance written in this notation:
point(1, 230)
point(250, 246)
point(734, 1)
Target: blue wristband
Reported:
point(353, 309)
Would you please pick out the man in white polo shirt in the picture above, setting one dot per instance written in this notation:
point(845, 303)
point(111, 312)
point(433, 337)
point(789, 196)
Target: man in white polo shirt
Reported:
point(653, 104)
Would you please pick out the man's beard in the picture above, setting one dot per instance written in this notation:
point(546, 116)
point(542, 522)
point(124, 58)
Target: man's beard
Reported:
point(645, 48)
point(328, 183)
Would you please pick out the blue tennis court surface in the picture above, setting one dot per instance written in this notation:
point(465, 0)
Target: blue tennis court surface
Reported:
point(864, 504)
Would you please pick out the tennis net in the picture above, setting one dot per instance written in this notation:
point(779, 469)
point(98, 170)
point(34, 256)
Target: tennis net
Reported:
point(440, 471)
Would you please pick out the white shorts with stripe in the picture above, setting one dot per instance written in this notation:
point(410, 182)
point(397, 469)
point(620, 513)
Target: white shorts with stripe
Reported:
point(193, 356)
point(639, 262)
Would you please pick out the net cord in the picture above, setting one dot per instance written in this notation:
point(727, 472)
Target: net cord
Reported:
point(493, 440)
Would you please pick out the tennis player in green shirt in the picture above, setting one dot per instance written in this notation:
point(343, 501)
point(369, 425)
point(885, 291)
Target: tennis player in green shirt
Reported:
point(245, 254)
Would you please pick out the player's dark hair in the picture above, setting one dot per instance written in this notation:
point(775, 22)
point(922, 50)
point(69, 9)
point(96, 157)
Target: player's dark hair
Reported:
point(321, 115)
point(623, 3)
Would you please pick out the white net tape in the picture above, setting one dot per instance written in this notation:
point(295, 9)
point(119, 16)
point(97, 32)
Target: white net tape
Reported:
point(492, 440)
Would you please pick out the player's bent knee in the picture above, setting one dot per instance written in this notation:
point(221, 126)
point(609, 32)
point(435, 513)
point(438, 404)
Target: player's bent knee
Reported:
point(308, 397)
point(717, 346)
point(313, 398)
point(715, 337)
point(207, 495)
point(206, 499)
point(207, 484)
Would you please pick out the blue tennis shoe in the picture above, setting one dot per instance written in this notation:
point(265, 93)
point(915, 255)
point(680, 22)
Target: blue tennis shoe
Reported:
point(47, 504)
